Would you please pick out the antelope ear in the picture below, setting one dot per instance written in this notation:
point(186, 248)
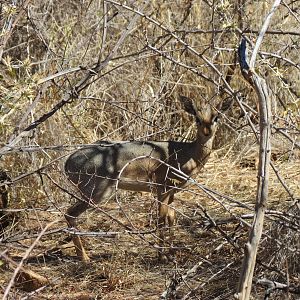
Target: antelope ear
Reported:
point(224, 105)
point(188, 105)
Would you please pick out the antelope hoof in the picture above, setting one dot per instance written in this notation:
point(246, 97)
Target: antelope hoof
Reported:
point(163, 258)
point(84, 257)
point(81, 254)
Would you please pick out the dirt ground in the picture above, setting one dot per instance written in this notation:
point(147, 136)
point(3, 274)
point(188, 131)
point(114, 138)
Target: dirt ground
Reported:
point(202, 262)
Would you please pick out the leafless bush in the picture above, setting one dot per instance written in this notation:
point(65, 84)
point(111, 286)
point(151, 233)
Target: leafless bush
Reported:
point(73, 72)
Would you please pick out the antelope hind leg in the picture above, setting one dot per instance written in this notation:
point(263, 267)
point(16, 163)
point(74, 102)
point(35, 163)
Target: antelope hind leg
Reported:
point(72, 213)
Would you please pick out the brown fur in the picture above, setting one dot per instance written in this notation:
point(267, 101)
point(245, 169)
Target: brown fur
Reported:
point(139, 166)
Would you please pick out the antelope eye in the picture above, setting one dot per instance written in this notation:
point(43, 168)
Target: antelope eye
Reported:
point(215, 119)
point(198, 120)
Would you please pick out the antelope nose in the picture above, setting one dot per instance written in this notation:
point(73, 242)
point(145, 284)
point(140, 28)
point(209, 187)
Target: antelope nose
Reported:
point(206, 131)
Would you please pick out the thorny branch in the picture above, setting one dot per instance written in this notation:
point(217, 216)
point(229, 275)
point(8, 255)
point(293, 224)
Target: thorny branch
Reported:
point(73, 93)
point(288, 220)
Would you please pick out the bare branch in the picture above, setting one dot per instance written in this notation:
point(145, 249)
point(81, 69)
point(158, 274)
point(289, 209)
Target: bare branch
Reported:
point(245, 284)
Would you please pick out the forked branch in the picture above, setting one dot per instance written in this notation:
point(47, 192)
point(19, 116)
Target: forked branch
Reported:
point(260, 86)
point(251, 247)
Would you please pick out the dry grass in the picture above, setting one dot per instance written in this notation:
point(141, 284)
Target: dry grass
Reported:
point(135, 98)
point(127, 267)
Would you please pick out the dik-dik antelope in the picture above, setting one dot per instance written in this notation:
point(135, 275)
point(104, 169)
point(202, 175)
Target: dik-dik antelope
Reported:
point(140, 166)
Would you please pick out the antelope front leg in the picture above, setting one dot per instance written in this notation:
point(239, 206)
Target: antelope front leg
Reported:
point(171, 217)
point(166, 216)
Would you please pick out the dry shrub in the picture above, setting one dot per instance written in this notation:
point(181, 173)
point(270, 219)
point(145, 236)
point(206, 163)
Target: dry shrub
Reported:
point(135, 98)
